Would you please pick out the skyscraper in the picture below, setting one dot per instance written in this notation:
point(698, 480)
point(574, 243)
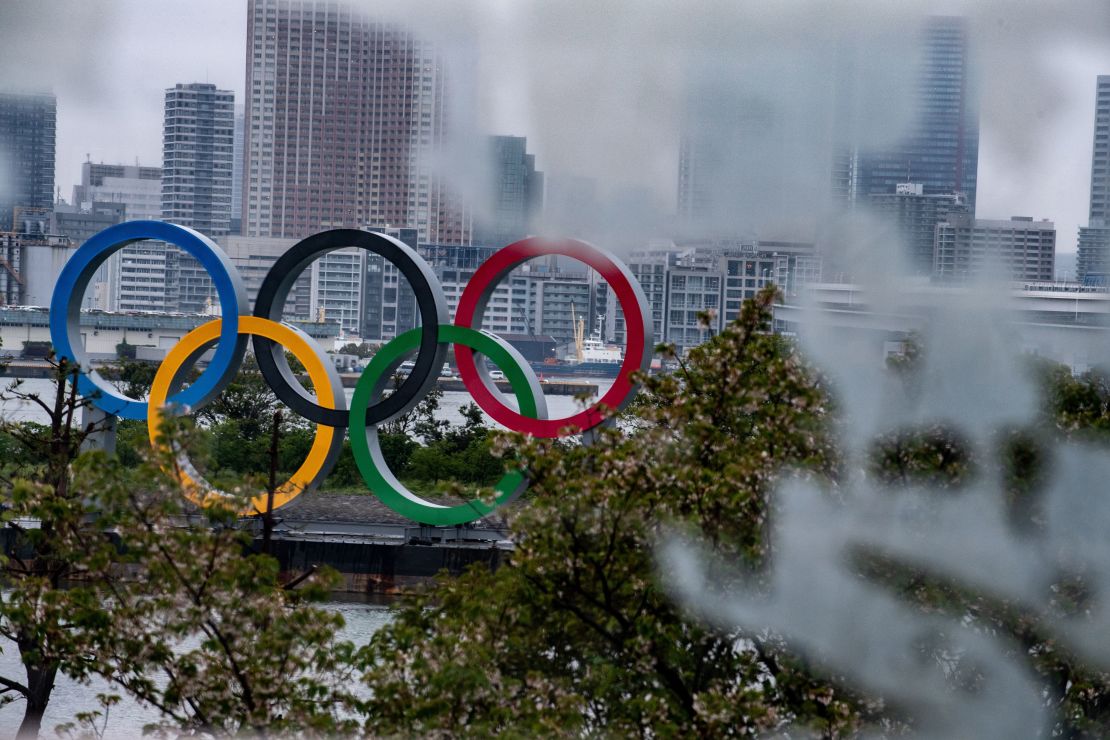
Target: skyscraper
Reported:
point(345, 117)
point(1093, 261)
point(515, 193)
point(941, 149)
point(27, 129)
point(197, 161)
point(914, 217)
point(237, 174)
point(197, 157)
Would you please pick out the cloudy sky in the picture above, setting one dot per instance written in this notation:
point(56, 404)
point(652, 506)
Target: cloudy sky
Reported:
point(598, 87)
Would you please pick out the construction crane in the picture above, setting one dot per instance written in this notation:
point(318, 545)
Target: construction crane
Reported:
point(579, 326)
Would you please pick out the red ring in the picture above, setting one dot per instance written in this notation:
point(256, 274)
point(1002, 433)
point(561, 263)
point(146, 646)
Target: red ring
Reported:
point(632, 303)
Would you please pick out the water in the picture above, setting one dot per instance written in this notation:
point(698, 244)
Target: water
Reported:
point(449, 404)
point(127, 718)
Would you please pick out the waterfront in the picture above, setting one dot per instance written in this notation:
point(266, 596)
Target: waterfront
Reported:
point(449, 405)
point(127, 718)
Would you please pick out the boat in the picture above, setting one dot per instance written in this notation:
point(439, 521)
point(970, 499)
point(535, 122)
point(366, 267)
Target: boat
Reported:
point(593, 358)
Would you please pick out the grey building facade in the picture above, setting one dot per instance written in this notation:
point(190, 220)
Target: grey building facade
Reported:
point(515, 193)
point(1020, 248)
point(197, 163)
point(1093, 259)
point(28, 126)
point(198, 157)
point(941, 149)
point(683, 280)
point(914, 216)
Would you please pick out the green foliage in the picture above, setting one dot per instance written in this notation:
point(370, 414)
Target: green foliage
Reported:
point(247, 400)
point(574, 635)
point(239, 651)
point(52, 562)
point(935, 456)
point(134, 377)
point(125, 350)
point(363, 350)
point(109, 571)
point(1078, 406)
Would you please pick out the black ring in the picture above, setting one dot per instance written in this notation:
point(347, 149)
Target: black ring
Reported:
point(429, 300)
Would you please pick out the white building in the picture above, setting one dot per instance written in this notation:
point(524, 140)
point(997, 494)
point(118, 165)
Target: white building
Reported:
point(337, 288)
point(681, 281)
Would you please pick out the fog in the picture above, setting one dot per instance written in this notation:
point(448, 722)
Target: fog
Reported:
point(603, 90)
point(606, 93)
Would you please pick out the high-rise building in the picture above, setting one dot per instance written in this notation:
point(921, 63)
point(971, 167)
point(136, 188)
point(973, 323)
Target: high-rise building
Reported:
point(941, 148)
point(515, 193)
point(1100, 156)
point(197, 161)
point(346, 118)
point(914, 216)
point(1019, 249)
point(1092, 264)
point(27, 131)
point(1093, 260)
point(197, 157)
point(237, 173)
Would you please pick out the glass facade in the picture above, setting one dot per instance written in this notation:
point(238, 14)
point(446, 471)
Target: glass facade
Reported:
point(27, 131)
point(941, 150)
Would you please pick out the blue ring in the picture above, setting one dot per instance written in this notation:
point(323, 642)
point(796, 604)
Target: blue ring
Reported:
point(65, 313)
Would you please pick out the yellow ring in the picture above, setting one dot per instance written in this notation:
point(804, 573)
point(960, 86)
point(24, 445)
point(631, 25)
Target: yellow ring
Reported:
point(197, 489)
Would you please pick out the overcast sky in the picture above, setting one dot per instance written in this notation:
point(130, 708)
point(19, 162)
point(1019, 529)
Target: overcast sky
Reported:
point(596, 86)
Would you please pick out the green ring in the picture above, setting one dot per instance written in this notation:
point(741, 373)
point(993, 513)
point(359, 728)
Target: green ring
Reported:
point(367, 449)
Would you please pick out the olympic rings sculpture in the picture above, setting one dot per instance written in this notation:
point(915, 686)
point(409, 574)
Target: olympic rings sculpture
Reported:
point(370, 406)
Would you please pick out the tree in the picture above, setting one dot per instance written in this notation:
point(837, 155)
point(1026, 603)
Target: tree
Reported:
point(109, 571)
point(204, 629)
point(248, 400)
point(363, 350)
point(51, 562)
point(574, 635)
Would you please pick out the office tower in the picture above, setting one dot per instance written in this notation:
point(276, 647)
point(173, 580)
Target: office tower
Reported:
point(346, 118)
point(1100, 156)
point(27, 130)
point(1020, 249)
point(237, 173)
point(515, 193)
point(1093, 261)
point(197, 160)
point(914, 217)
point(941, 148)
point(197, 157)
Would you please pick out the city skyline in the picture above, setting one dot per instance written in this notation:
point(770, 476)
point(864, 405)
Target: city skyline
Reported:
point(1042, 171)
